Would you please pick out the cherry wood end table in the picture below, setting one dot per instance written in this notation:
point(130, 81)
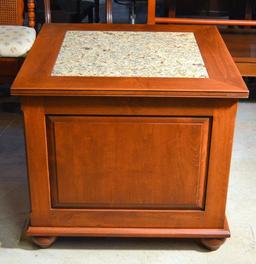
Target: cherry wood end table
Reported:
point(129, 131)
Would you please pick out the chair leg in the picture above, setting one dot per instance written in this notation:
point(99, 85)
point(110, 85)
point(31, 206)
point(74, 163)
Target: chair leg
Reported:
point(90, 16)
point(172, 8)
point(97, 11)
point(249, 10)
point(108, 10)
point(132, 11)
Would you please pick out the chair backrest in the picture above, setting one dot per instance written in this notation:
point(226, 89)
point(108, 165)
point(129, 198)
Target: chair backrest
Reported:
point(152, 19)
point(12, 12)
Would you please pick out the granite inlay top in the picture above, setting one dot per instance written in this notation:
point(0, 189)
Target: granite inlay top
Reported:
point(130, 54)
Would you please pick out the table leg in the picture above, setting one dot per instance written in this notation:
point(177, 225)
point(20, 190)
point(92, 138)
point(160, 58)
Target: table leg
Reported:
point(44, 242)
point(212, 243)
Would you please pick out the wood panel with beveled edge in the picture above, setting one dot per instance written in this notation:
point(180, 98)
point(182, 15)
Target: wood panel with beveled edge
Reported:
point(42, 214)
point(128, 162)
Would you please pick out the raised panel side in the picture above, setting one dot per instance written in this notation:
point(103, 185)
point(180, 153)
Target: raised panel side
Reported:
point(115, 162)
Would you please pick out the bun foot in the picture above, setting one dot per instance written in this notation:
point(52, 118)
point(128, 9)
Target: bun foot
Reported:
point(212, 243)
point(43, 242)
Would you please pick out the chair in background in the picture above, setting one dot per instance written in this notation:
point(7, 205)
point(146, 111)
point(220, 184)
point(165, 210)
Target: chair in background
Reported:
point(132, 6)
point(68, 11)
point(240, 42)
point(15, 39)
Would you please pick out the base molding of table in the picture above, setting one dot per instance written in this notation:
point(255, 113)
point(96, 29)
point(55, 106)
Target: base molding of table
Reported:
point(129, 232)
point(210, 239)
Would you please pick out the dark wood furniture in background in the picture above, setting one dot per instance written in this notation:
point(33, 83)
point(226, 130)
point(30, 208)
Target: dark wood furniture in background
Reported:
point(129, 156)
point(12, 13)
point(242, 45)
point(234, 9)
point(68, 11)
point(241, 42)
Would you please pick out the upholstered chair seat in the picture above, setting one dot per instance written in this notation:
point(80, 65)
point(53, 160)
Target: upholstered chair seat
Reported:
point(16, 41)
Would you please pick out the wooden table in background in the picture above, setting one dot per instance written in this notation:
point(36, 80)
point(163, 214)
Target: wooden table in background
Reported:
point(129, 156)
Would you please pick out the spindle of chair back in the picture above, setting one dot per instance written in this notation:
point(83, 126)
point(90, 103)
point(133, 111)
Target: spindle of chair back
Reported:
point(12, 12)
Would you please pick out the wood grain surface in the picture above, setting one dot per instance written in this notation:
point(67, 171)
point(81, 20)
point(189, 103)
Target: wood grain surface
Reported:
point(135, 157)
point(142, 162)
point(41, 164)
point(35, 76)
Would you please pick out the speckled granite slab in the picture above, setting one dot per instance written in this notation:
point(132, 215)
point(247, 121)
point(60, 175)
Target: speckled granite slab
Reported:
point(130, 54)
